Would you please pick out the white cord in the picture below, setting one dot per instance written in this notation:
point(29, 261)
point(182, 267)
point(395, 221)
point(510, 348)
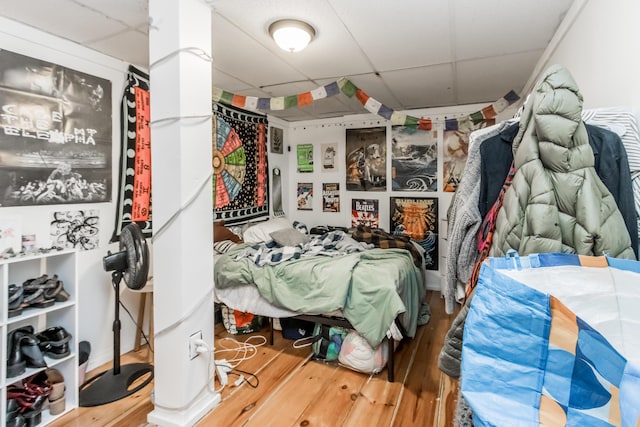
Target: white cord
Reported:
point(243, 350)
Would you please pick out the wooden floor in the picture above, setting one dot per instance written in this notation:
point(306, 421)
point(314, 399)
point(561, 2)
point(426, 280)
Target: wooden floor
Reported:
point(296, 391)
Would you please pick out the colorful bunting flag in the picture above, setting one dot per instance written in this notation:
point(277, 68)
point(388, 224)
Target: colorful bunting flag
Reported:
point(345, 86)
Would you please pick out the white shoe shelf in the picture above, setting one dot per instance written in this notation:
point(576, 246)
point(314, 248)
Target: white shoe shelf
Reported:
point(17, 270)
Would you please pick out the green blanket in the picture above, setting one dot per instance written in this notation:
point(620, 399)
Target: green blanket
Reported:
point(371, 288)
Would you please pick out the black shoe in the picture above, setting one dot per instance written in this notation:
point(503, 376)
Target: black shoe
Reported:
point(16, 363)
point(54, 342)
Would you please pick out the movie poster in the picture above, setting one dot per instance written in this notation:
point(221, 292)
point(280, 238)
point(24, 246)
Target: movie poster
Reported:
point(55, 134)
point(417, 218)
point(364, 212)
point(414, 159)
point(305, 196)
point(331, 197)
point(366, 159)
point(305, 158)
point(456, 149)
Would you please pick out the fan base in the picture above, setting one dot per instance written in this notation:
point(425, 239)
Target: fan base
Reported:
point(108, 387)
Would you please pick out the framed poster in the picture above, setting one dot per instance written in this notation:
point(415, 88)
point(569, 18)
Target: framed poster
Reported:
point(276, 140)
point(417, 218)
point(55, 134)
point(366, 159)
point(329, 157)
point(364, 212)
point(331, 197)
point(414, 159)
point(305, 157)
point(305, 196)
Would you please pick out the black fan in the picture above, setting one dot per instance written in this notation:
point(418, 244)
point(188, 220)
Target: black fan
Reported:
point(132, 263)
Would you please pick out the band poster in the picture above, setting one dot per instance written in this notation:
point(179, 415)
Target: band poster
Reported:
point(364, 212)
point(305, 196)
point(331, 197)
point(417, 218)
point(55, 134)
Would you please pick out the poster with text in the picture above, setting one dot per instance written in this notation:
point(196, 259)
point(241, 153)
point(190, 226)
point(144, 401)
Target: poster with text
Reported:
point(55, 134)
point(305, 157)
point(366, 159)
point(364, 212)
point(456, 149)
point(329, 157)
point(331, 197)
point(414, 159)
point(305, 196)
point(417, 218)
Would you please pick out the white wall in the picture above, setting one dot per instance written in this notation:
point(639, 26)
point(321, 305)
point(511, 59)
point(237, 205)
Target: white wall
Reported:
point(318, 132)
point(599, 44)
point(96, 295)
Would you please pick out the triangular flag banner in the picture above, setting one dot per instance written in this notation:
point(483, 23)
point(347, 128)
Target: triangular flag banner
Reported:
point(345, 86)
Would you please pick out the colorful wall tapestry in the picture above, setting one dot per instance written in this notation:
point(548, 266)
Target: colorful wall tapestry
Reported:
point(366, 159)
point(56, 136)
point(134, 191)
point(240, 172)
point(414, 159)
point(417, 218)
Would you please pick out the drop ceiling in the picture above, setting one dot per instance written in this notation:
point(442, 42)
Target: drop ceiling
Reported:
point(407, 54)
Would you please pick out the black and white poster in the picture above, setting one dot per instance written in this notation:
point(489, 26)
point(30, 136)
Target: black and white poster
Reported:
point(414, 159)
point(366, 159)
point(55, 134)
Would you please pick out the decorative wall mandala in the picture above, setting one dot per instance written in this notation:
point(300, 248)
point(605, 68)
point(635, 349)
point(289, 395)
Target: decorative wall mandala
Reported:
point(229, 164)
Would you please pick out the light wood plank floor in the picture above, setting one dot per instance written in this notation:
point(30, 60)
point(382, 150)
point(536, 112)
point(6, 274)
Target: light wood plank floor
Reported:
point(296, 391)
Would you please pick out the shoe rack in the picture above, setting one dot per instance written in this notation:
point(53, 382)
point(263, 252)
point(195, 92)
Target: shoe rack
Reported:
point(17, 270)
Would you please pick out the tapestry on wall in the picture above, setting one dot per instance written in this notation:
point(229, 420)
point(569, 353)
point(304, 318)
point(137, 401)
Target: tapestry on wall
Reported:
point(366, 159)
point(56, 137)
point(417, 218)
point(134, 191)
point(414, 159)
point(240, 180)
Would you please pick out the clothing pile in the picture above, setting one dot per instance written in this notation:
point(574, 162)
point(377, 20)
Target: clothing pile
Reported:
point(573, 188)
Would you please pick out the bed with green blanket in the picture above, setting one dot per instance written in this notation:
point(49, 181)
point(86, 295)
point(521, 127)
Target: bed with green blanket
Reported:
point(370, 288)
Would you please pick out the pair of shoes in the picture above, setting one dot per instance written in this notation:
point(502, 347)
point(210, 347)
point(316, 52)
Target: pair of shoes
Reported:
point(34, 292)
point(16, 296)
point(54, 342)
point(14, 418)
point(29, 403)
point(50, 383)
point(24, 351)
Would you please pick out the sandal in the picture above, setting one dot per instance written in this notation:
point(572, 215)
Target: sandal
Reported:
point(55, 290)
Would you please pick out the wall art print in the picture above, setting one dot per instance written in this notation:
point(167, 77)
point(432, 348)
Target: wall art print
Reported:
point(276, 139)
point(417, 218)
point(75, 229)
point(55, 133)
point(456, 149)
point(305, 196)
point(240, 170)
point(305, 157)
point(329, 154)
point(414, 159)
point(331, 197)
point(134, 187)
point(366, 159)
point(365, 212)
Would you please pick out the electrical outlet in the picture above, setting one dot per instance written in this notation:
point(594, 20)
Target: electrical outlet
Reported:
point(192, 344)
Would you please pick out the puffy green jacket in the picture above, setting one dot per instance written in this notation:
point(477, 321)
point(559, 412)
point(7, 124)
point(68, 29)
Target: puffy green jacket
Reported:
point(556, 201)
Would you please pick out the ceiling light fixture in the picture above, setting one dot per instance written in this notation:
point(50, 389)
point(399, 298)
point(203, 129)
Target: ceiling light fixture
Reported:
point(292, 35)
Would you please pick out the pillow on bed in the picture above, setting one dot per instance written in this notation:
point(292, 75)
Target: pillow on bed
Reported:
point(289, 237)
point(222, 233)
point(261, 232)
point(223, 246)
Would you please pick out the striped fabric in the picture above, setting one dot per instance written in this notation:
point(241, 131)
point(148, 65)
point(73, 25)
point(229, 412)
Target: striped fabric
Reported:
point(624, 123)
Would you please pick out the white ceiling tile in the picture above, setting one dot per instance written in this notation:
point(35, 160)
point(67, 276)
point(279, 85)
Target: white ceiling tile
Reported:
point(131, 12)
point(488, 79)
point(501, 27)
point(414, 33)
point(422, 87)
point(133, 44)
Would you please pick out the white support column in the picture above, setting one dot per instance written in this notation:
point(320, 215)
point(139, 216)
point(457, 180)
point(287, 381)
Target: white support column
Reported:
point(180, 93)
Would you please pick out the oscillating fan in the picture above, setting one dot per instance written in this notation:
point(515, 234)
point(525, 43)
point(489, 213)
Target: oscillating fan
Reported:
point(132, 264)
